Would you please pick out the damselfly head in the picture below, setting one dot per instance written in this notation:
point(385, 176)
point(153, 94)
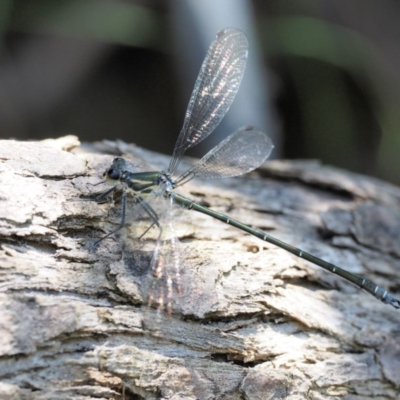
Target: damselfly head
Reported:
point(114, 172)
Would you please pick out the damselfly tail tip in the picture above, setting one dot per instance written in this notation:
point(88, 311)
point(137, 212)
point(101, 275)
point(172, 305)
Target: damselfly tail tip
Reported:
point(395, 303)
point(389, 299)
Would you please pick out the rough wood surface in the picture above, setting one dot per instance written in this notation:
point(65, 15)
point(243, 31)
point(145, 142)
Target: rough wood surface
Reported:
point(252, 322)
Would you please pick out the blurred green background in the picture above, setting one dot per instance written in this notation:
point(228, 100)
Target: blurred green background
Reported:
point(107, 69)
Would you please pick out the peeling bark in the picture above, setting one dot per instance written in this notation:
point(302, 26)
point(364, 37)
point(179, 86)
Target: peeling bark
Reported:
point(250, 321)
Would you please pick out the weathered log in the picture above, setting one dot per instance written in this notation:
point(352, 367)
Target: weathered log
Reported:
point(251, 321)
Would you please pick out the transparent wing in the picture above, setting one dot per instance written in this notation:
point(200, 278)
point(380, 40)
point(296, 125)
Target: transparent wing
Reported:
point(241, 152)
point(155, 256)
point(215, 88)
point(163, 283)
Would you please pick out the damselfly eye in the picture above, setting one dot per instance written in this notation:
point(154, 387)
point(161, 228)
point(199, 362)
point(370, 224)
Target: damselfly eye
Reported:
point(113, 174)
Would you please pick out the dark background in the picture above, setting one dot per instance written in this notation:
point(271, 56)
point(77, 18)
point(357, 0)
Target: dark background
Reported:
point(328, 87)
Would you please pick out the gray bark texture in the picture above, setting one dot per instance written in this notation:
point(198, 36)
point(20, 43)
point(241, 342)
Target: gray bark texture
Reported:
point(239, 318)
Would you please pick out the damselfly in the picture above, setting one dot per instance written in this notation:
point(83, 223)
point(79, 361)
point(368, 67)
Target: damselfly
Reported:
point(241, 152)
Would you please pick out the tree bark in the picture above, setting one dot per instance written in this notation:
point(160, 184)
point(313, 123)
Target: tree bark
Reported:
point(246, 321)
